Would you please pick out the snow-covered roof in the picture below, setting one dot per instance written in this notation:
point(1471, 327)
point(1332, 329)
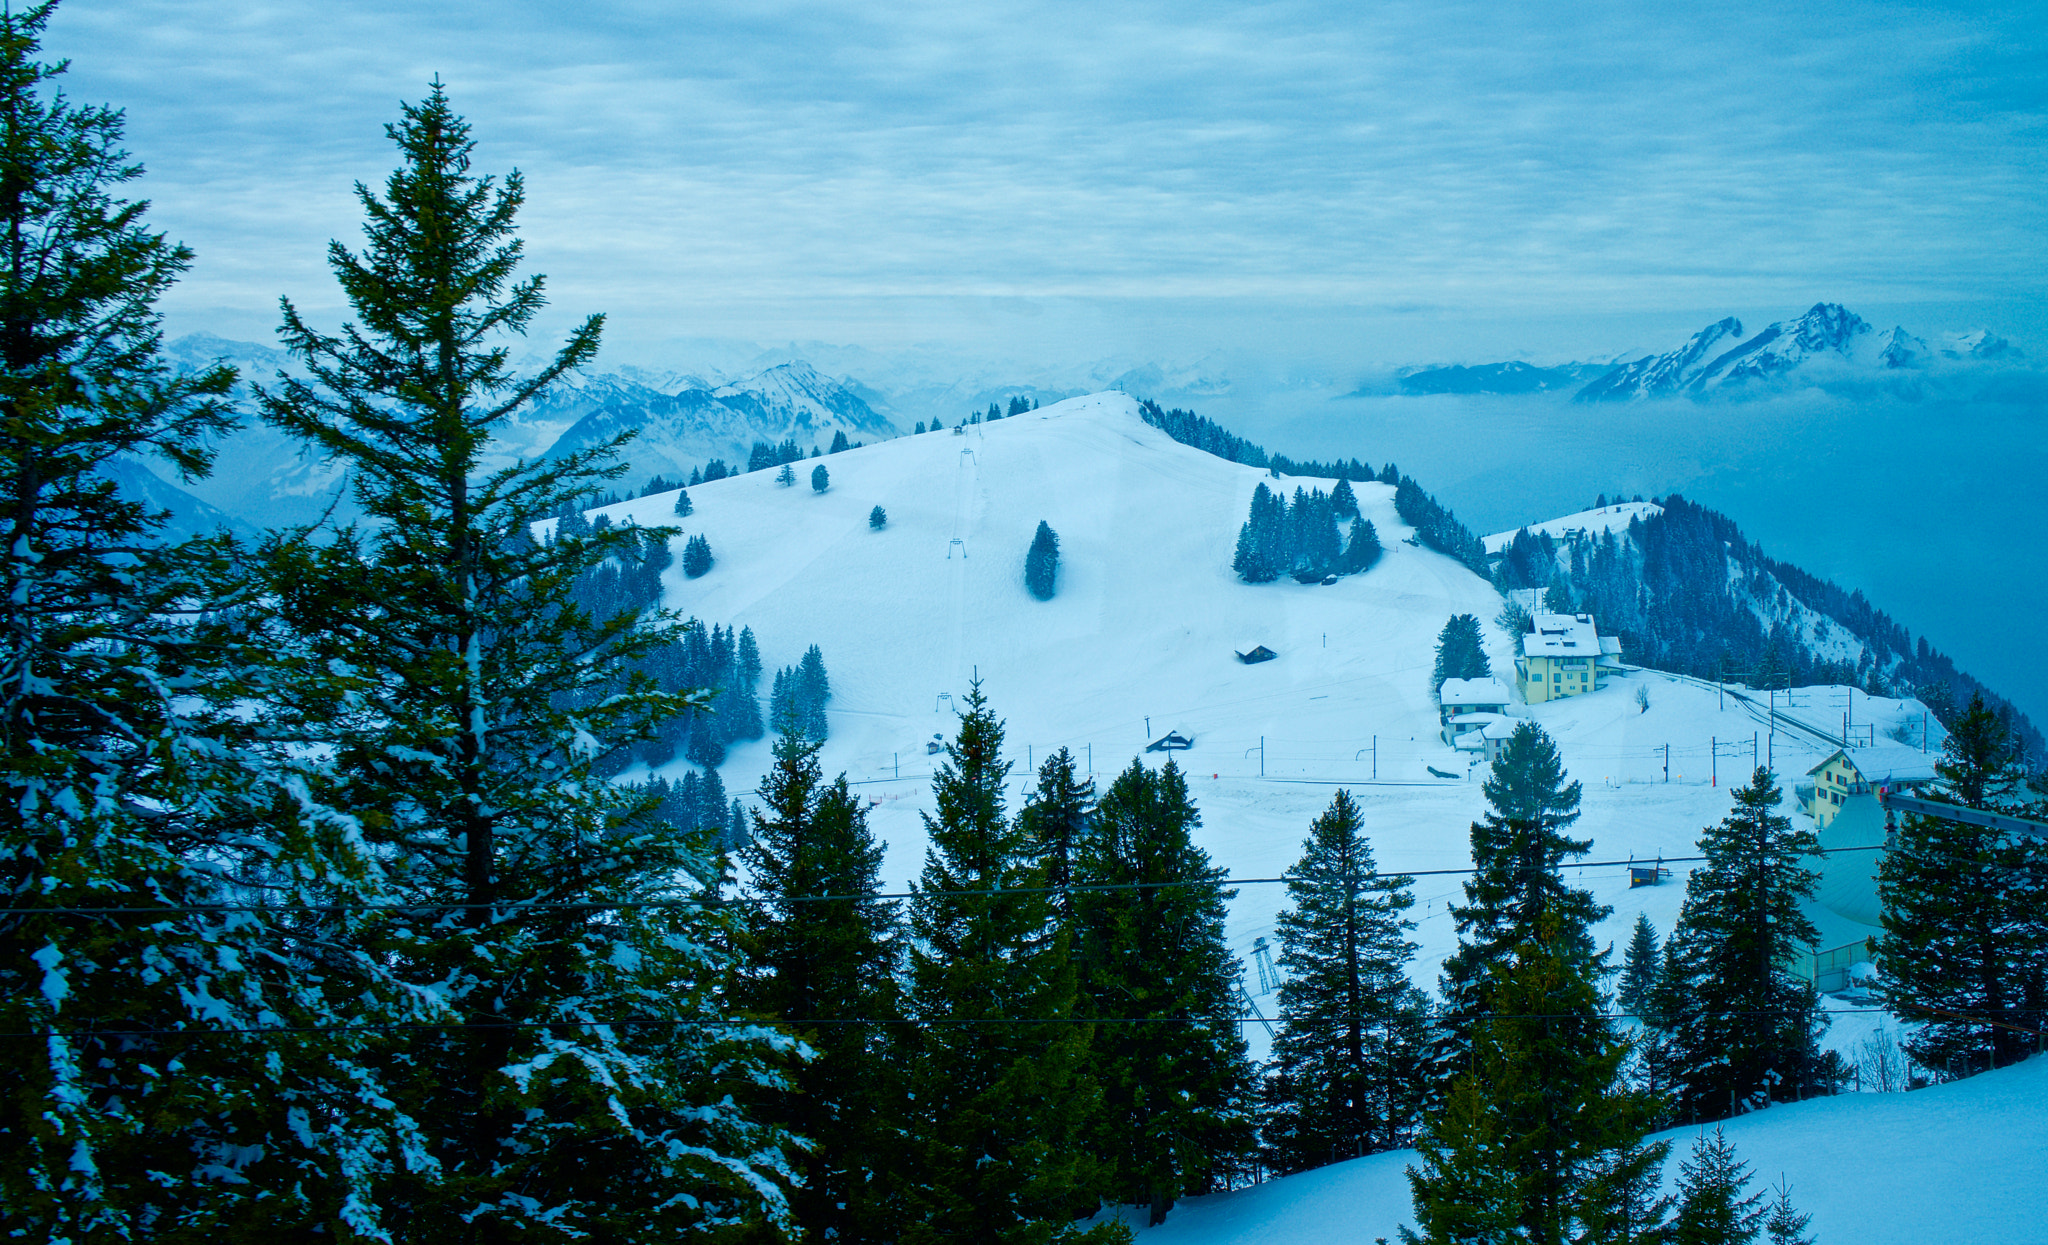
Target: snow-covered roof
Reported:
point(1474, 692)
point(1885, 762)
point(1563, 635)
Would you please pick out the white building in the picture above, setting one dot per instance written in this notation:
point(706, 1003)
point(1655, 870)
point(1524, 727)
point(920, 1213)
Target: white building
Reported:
point(1468, 705)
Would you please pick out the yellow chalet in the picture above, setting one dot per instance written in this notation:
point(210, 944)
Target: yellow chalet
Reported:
point(1848, 773)
point(1565, 655)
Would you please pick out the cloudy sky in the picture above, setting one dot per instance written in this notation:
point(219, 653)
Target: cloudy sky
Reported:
point(1149, 176)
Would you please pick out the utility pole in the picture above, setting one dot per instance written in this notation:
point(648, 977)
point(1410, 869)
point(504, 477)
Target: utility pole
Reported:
point(1667, 762)
point(1714, 764)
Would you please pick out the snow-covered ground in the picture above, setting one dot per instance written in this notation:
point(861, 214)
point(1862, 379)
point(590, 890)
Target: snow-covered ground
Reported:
point(1965, 1162)
point(1141, 639)
point(1614, 518)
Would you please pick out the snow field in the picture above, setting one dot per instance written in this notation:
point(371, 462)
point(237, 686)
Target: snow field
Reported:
point(1964, 1162)
point(1141, 639)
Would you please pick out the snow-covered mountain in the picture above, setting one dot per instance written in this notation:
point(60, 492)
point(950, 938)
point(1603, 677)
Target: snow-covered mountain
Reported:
point(679, 425)
point(1656, 375)
point(1828, 336)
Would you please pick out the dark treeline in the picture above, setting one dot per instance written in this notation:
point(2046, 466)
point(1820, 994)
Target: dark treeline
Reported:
point(1687, 592)
point(1435, 526)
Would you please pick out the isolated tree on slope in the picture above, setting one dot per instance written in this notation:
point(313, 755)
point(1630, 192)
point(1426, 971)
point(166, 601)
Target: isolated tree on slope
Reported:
point(472, 685)
point(1042, 562)
point(1000, 1104)
point(138, 1105)
point(812, 961)
point(1176, 1085)
point(821, 479)
point(1966, 911)
point(1344, 1077)
point(1741, 1028)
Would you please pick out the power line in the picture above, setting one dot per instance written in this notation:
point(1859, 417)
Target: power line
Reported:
point(637, 905)
point(710, 1022)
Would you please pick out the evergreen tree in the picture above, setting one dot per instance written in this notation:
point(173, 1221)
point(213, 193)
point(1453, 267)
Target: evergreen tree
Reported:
point(1711, 1207)
point(683, 507)
point(762, 455)
point(742, 697)
point(1966, 911)
point(838, 441)
point(1639, 970)
point(812, 689)
point(474, 687)
point(1042, 562)
point(696, 557)
point(1460, 652)
point(1344, 1075)
point(878, 518)
point(1517, 849)
point(787, 476)
point(1262, 541)
point(146, 1097)
point(1742, 1027)
point(1055, 819)
point(813, 961)
point(1786, 1225)
point(1539, 1139)
point(999, 1080)
point(920, 426)
point(1175, 1082)
point(1344, 502)
point(1362, 551)
point(820, 479)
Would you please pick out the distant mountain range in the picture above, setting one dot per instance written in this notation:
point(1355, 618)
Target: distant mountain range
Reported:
point(1827, 339)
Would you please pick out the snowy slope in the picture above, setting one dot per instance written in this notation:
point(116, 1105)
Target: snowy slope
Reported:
point(1140, 640)
point(1966, 1163)
point(1615, 518)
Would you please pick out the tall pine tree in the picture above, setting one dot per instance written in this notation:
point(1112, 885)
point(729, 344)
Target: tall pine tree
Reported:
point(1344, 1078)
point(151, 1093)
point(827, 969)
point(1540, 1139)
point(1965, 947)
point(1741, 1028)
point(1055, 820)
point(1517, 848)
point(999, 1085)
point(1169, 1058)
point(1460, 652)
point(471, 689)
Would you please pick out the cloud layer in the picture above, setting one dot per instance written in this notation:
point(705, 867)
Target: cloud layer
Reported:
point(870, 172)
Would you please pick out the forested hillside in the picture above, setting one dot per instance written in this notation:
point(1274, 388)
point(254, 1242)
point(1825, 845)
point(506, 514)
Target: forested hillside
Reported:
point(1688, 593)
